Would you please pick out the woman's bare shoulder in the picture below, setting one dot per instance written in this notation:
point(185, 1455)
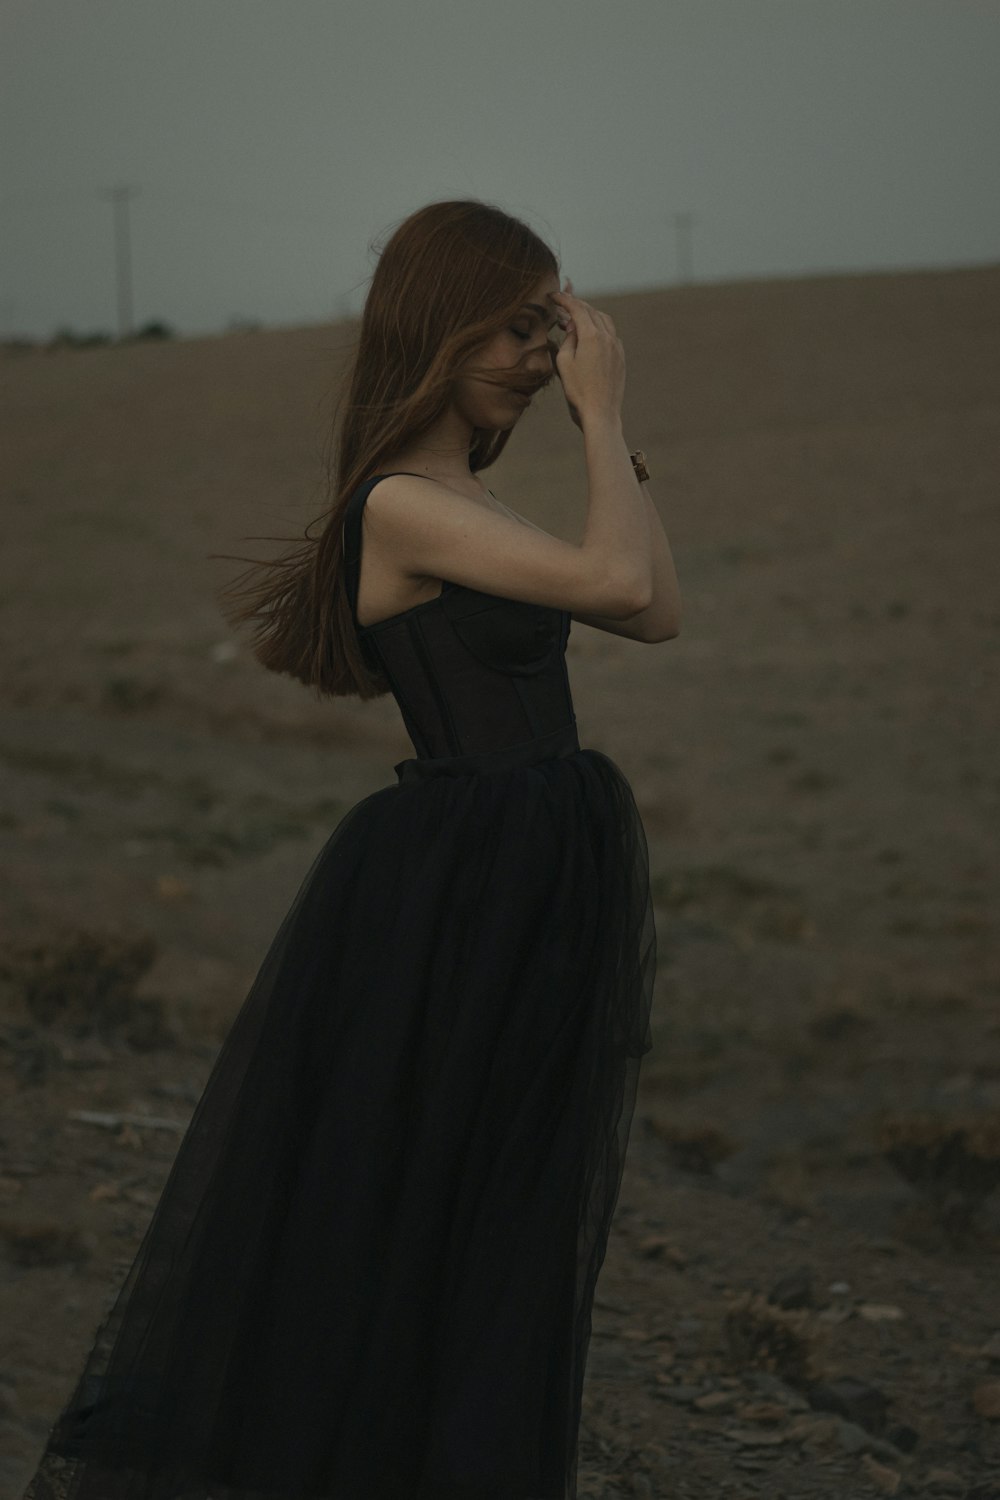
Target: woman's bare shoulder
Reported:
point(427, 529)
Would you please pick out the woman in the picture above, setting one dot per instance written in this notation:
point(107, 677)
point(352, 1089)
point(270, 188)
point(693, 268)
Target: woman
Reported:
point(371, 1271)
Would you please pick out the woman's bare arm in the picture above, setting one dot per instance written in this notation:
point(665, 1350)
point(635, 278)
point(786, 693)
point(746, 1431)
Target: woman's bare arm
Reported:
point(661, 619)
point(426, 530)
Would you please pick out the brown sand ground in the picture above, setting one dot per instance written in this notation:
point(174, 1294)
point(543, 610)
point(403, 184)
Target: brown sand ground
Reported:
point(815, 761)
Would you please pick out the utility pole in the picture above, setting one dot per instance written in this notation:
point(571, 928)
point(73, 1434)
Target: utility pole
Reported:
point(685, 255)
point(120, 196)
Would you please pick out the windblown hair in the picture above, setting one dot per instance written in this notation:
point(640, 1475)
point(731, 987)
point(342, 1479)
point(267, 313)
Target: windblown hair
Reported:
point(450, 277)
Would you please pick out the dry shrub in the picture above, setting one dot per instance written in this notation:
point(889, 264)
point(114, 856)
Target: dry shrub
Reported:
point(736, 900)
point(693, 1148)
point(784, 1341)
point(85, 982)
point(43, 1244)
point(952, 1161)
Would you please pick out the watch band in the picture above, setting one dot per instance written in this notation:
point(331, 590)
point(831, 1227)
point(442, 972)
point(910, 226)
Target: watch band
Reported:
point(639, 464)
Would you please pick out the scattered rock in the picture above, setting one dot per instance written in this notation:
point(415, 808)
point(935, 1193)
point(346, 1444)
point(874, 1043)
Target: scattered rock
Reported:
point(817, 1432)
point(852, 1399)
point(716, 1401)
point(837, 1312)
point(885, 1480)
point(684, 1395)
point(103, 1192)
point(880, 1312)
point(991, 1349)
point(749, 1437)
point(793, 1290)
point(902, 1437)
point(944, 1481)
point(657, 1246)
point(762, 1411)
point(774, 1389)
point(853, 1438)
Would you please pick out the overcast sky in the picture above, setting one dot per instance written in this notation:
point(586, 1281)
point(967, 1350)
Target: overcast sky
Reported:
point(273, 140)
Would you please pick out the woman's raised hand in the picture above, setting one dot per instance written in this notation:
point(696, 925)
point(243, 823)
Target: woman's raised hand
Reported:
point(591, 361)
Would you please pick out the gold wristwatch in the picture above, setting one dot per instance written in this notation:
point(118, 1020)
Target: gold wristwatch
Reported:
point(639, 464)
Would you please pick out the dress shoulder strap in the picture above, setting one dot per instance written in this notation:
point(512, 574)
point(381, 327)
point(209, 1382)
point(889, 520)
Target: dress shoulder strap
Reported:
point(351, 533)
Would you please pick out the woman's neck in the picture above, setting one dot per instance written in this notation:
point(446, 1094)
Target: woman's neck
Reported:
point(433, 465)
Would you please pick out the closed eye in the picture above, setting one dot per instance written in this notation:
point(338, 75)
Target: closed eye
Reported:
point(518, 334)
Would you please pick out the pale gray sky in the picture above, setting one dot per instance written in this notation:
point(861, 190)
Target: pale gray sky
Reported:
point(272, 140)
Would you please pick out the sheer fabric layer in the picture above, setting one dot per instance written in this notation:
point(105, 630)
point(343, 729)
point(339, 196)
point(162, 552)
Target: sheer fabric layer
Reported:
point(371, 1271)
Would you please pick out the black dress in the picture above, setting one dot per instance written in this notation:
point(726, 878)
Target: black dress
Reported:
point(371, 1271)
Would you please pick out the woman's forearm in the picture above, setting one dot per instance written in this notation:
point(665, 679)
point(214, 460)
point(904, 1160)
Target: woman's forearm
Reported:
point(617, 528)
point(662, 619)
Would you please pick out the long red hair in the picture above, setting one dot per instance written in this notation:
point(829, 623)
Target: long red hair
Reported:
point(449, 278)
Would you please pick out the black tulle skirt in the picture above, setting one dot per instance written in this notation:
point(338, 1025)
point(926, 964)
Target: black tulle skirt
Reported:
point(371, 1271)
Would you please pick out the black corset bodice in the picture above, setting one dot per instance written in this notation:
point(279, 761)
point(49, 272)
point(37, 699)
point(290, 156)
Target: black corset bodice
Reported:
point(472, 673)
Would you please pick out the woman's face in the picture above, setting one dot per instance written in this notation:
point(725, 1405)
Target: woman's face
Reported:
point(523, 346)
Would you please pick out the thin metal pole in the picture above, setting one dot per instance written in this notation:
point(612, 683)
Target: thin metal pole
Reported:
point(685, 252)
point(120, 196)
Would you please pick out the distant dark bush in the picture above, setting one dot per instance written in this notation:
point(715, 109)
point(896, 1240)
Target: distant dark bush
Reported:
point(154, 330)
point(18, 344)
point(65, 338)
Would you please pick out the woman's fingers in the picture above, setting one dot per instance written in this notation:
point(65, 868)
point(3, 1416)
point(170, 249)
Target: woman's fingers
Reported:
point(578, 306)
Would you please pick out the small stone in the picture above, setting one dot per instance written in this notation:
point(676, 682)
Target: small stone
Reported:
point(852, 1438)
point(986, 1400)
point(853, 1399)
point(793, 1290)
point(169, 888)
point(748, 1437)
point(885, 1480)
point(991, 1349)
point(684, 1395)
point(688, 1325)
point(102, 1191)
point(837, 1312)
point(880, 1312)
point(902, 1437)
point(763, 1411)
point(657, 1246)
point(816, 1431)
point(716, 1401)
point(774, 1389)
point(945, 1481)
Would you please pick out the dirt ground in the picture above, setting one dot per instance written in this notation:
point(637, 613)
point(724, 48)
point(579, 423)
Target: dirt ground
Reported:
point(801, 1297)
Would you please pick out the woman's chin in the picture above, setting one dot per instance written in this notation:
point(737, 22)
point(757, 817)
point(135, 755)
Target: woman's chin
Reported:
point(511, 418)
